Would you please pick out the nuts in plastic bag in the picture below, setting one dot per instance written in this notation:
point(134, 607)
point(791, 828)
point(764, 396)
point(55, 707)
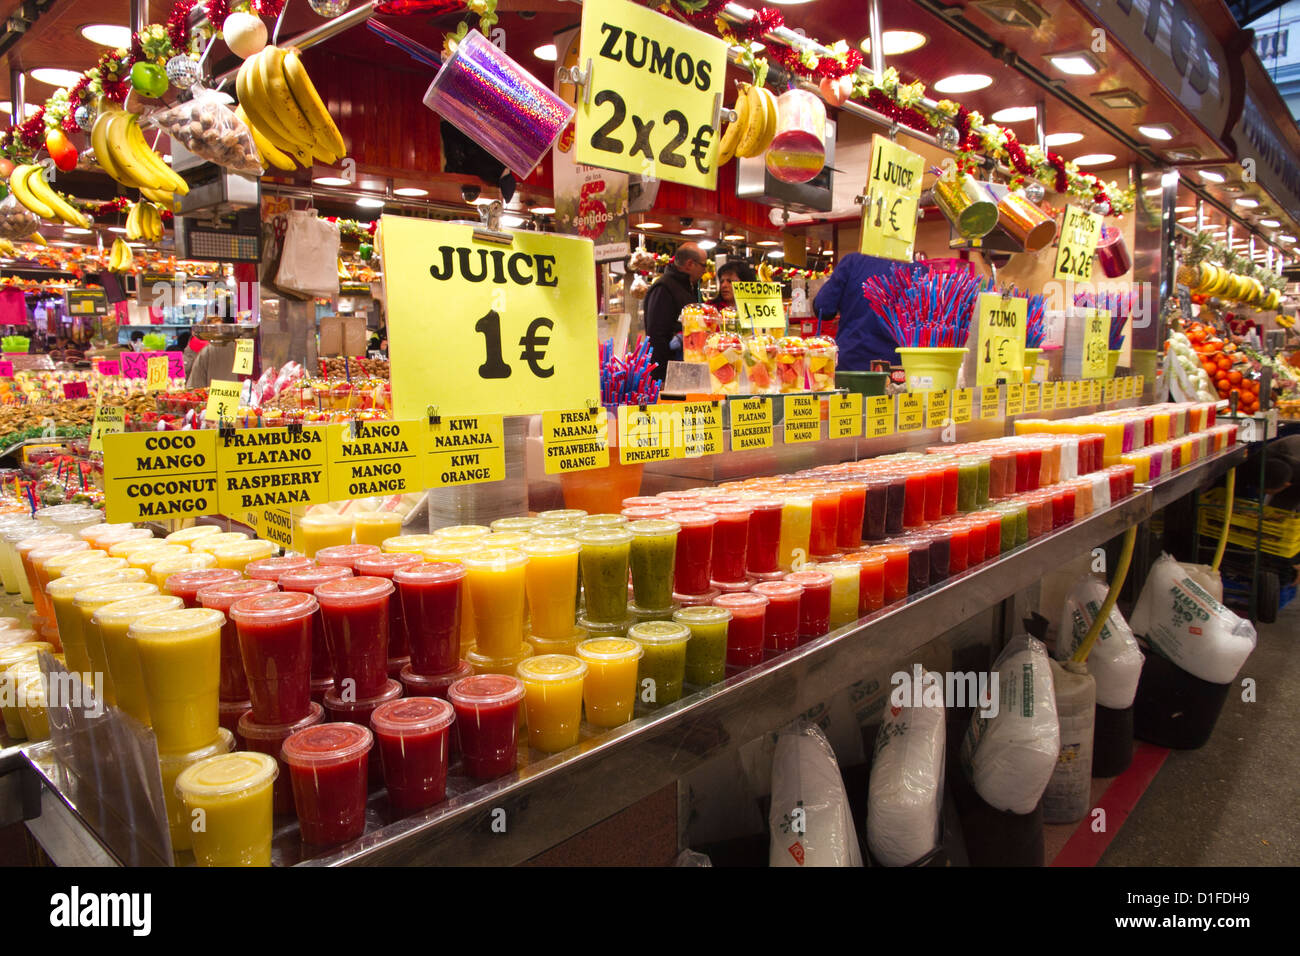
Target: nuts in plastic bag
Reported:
point(16, 220)
point(208, 127)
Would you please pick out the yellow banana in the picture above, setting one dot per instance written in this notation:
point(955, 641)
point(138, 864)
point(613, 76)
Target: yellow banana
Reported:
point(754, 122)
point(770, 120)
point(20, 186)
point(261, 113)
point(149, 156)
point(6, 247)
point(304, 93)
point(269, 153)
point(60, 206)
point(103, 153)
point(134, 172)
point(731, 136)
point(133, 222)
point(37, 238)
point(273, 110)
point(155, 217)
point(289, 112)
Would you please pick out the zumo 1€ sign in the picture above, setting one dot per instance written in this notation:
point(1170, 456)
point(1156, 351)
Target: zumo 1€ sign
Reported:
point(655, 87)
point(153, 475)
point(1096, 343)
point(374, 459)
point(1000, 348)
point(464, 451)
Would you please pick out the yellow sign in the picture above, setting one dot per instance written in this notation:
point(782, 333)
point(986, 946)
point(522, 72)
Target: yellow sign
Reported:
point(844, 416)
point(478, 327)
point(1033, 397)
point(374, 458)
point(936, 409)
point(803, 421)
point(645, 433)
point(1000, 345)
point(656, 85)
point(1137, 387)
point(1109, 390)
point(272, 467)
point(1015, 399)
point(1080, 231)
point(893, 193)
point(157, 375)
point(109, 420)
point(1049, 396)
point(751, 423)
point(464, 451)
point(152, 475)
point(1076, 394)
point(243, 357)
point(574, 440)
point(880, 416)
point(1096, 391)
point(962, 401)
point(911, 411)
point(1129, 382)
point(989, 399)
point(223, 400)
point(1096, 343)
point(277, 525)
point(698, 427)
point(759, 305)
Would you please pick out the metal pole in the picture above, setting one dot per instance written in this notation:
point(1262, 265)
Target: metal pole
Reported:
point(18, 95)
point(139, 15)
point(1040, 123)
point(320, 34)
point(877, 41)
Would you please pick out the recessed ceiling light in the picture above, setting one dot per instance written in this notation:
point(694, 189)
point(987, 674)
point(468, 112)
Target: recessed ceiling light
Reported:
point(76, 231)
point(649, 225)
point(1094, 159)
point(1187, 219)
point(776, 254)
point(1062, 139)
point(105, 34)
point(1285, 238)
point(1210, 176)
point(734, 237)
point(1184, 208)
point(1079, 63)
point(409, 191)
point(7, 107)
point(54, 77)
point(790, 3)
point(1245, 202)
point(1162, 131)
point(707, 244)
point(116, 229)
point(546, 52)
point(331, 181)
point(767, 242)
point(513, 221)
point(370, 202)
point(694, 231)
point(543, 210)
point(1270, 223)
point(1014, 114)
point(963, 83)
point(897, 42)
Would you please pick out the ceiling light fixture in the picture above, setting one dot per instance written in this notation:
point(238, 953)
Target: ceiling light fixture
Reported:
point(331, 181)
point(1015, 13)
point(767, 242)
point(1094, 159)
point(1161, 131)
point(897, 42)
point(547, 52)
point(1245, 202)
point(963, 83)
point(1210, 176)
point(1062, 139)
point(734, 237)
point(370, 202)
point(106, 34)
point(1014, 114)
point(410, 191)
point(52, 76)
point(649, 225)
point(776, 254)
point(694, 231)
point(1075, 63)
point(707, 244)
point(1270, 223)
point(542, 210)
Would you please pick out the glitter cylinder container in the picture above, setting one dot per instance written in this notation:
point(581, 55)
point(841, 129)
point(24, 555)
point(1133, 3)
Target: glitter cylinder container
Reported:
point(967, 204)
point(1112, 253)
point(798, 150)
point(498, 104)
point(1024, 221)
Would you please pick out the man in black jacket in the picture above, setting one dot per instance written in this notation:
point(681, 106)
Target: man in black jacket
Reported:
point(672, 292)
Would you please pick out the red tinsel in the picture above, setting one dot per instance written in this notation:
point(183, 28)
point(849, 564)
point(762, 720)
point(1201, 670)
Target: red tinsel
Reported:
point(765, 21)
point(270, 9)
point(904, 116)
point(399, 8)
point(1017, 154)
point(32, 131)
point(167, 215)
point(217, 10)
point(111, 208)
point(178, 24)
point(1062, 182)
point(827, 68)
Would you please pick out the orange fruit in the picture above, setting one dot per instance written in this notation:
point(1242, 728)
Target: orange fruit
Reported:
point(1234, 378)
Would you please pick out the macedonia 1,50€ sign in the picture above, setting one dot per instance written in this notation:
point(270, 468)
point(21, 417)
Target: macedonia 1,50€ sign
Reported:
point(478, 327)
point(655, 87)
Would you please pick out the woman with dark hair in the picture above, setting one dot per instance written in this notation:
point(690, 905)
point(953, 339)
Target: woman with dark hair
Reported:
point(733, 270)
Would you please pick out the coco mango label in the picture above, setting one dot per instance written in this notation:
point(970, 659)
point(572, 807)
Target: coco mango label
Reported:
point(152, 475)
point(273, 467)
point(464, 450)
point(574, 440)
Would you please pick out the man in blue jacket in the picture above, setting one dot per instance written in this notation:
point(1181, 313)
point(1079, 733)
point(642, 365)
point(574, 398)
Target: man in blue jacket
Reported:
point(862, 335)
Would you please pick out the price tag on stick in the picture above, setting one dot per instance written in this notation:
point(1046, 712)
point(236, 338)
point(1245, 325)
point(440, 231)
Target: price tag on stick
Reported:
point(1080, 231)
point(223, 401)
point(157, 378)
point(759, 305)
point(243, 357)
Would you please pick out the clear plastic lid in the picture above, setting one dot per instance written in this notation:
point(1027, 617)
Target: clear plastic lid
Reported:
point(250, 729)
point(362, 706)
point(695, 518)
point(124, 549)
point(407, 542)
point(746, 601)
point(270, 569)
point(39, 541)
point(696, 600)
point(602, 521)
point(350, 592)
point(16, 635)
point(504, 539)
point(702, 615)
point(605, 649)
point(562, 514)
point(436, 685)
point(181, 625)
point(659, 632)
point(868, 558)
point(642, 501)
point(186, 535)
point(411, 716)
point(518, 523)
point(603, 537)
point(120, 613)
point(435, 572)
point(147, 557)
point(728, 509)
point(758, 502)
point(784, 589)
point(253, 550)
point(556, 529)
point(810, 578)
point(646, 512)
point(70, 585)
point(380, 565)
point(496, 559)
point(326, 745)
point(191, 582)
point(653, 528)
point(450, 550)
point(226, 775)
point(325, 521)
point(312, 577)
point(93, 598)
point(485, 690)
point(57, 564)
point(173, 763)
point(20, 652)
point(543, 547)
point(280, 606)
point(213, 541)
point(345, 555)
point(551, 667)
point(222, 597)
point(103, 535)
point(463, 532)
point(491, 665)
point(190, 561)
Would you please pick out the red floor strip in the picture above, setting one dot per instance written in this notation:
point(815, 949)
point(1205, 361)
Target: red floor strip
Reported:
point(1085, 847)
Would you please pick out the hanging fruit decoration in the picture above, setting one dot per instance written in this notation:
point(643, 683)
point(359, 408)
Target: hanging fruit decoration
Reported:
point(149, 79)
point(61, 150)
point(244, 33)
point(182, 71)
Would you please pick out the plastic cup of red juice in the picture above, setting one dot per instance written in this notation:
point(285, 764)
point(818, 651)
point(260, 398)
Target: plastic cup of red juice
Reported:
point(958, 545)
point(433, 685)
point(730, 541)
point(764, 539)
point(974, 540)
point(274, 632)
point(918, 562)
point(270, 740)
point(814, 603)
point(745, 630)
point(382, 565)
point(825, 521)
point(307, 580)
point(328, 768)
point(487, 723)
point(694, 568)
point(871, 580)
point(187, 584)
point(781, 628)
point(345, 555)
point(355, 611)
point(270, 569)
point(221, 597)
point(430, 596)
point(915, 500)
point(414, 747)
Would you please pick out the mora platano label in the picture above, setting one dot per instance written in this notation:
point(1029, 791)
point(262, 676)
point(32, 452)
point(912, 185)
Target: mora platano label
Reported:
point(751, 423)
point(803, 419)
point(273, 467)
point(464, 450)
point(575, 439)
point(155, 475)
point(373, 459)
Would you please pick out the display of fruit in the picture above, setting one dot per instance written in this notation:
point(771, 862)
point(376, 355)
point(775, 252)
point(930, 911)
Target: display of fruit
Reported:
point(1228, 368)
point(791, 363)
point(27, 184)
point(353, 367)
point(244, 33)
point(121, 149)
point(754, 126)
point(149, 79)
point(722, 352)
point(121, 258)
point(61, 150)
point(144, 221)
point(836, 91)
point(17, 222)
point(281, 107)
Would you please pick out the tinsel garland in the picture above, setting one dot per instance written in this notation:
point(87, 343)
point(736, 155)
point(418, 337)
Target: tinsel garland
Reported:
point(1062, 181)
point(765, 21)
point(178, 23)
point(827, 68)
point(32, 131)
point(706, 13)
point(881, 102)
point(402, 8)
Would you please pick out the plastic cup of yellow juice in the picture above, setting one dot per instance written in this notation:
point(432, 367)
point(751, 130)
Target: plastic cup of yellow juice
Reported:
point(186, 536)
point(796, 530)
point(16, 661)
point(171, 765)
point(462, 532)
point(60, 564)
point(845, 579)
point(180, 661)
point(551, 580)
point(374, 527)
point(68, 618)
point(13, 530)
point(191, 561)
point(147, 557)
point(90, 600)
point(124, 549)
point(238, 554)
point(35, 716)
point(553, 700)
point(228, 800)
point(515, 523)
point(609, 688)
point(211, 542)
point(113, 621)
point(494, 585)
point(104, 536)
point(324, 531)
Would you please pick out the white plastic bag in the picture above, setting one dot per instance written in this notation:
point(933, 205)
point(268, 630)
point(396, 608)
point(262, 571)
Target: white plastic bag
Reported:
point(1115, 661)
point(1010, 757)
point(1069, 792)
point(906, 791)
point(1187, 625)
point(309, 262)
point(208, 127)
point(809, 820)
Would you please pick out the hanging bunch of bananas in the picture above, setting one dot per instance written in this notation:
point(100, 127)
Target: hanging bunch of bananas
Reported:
point(28, 185)
point(754, 126)
point(144, 221)
point(283, 111)
point(121, 258)
point(122, 151)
